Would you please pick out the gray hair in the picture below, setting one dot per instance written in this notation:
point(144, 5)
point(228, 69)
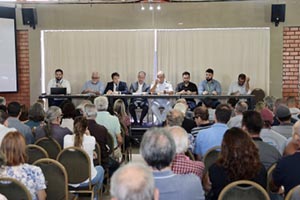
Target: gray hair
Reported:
point(158, 148)
point(180, 137)
point(270, 101)
point(2, 101)
point(101, 103)
point(175, 118)
point(133, 181)
point(241, 106)
point(90, 111)
point(52, 113)
point(181, 107)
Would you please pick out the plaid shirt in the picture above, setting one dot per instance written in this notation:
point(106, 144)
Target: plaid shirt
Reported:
point(183, 165)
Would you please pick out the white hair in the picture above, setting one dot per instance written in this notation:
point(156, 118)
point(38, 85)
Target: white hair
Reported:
point(180, 137)
point(101, 103)
point(181, 107)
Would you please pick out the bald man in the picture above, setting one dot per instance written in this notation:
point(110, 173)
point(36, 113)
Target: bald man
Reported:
point(93, 86)
point(133, 181)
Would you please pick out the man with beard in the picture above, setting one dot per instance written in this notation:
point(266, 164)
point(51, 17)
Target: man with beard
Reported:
point(93, 86)
point(240, 87)
point(187, 88)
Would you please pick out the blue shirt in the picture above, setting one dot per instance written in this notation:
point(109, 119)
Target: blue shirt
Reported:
point(209, 138)
point(98, 87)
point(209, 86)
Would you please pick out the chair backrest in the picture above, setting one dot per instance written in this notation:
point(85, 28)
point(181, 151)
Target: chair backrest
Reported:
point(270, 177)
point(50, 145)
point(293, 194)
point(35, 152)
point(56, 178)
point(110, 143)
point(14, 189)
point(243, 189)
point(98, 152)
point(210, 157)
point(76, 160)
point(190, 154)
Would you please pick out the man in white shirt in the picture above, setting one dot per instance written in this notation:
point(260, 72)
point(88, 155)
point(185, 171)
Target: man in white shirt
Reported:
point(241, 86)
point(161, 86)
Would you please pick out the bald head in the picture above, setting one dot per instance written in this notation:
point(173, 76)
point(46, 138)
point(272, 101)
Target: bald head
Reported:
point(180, 137)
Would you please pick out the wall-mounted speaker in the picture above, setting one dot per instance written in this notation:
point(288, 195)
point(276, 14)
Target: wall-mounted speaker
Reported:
point(278, 13)
point(29, 17)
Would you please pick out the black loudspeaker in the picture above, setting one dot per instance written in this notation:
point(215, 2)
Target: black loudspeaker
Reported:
point(278, 13)
point(29, 17)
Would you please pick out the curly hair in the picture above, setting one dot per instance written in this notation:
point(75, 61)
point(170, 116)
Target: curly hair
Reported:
point(239, 155)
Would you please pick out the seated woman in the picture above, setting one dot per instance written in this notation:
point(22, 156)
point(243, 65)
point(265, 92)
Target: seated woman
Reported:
point(239, 160)
point(36, 116)
point(13, 147)
point(84, 140)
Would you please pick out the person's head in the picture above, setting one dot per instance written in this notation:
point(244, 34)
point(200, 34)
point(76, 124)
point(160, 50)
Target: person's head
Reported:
point(158, 148)
point(241, 107)
point(3, 108)
point(80, 127)
point(182, 100)
point(54, 115)
point(24, 113)
point(296, 133)
point(68, 110)
point(161, 76)
point(3, 118)
point(13, 147)
point(259, 106)
point(283, 113)
point(141, 77)
point(252, 122)
point(277, 103)
point(95, 77)
point(223, 113)
point(186, 77)
point(80, 107)
point(119, 108)
point(174, 118)
point(180, 137)
point(241, 79)
point(90, 111)
point(209, 74)
point(59, 74)
point(268, 117)
point(270, 102)
point(115, 77)
point(101, 103)
point(2, 101)
point(208, 102)
point(291, 101)
point(14, 109)
point(133, 181)
point(239, 155)
point(181, 107)
point(36, 112)
point(201, 115)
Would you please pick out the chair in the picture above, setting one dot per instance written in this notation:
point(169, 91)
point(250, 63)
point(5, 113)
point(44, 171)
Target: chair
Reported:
point(243, 189)
point(76, 160)
point(56, 178)
point(210, 157)
point(270, 178)
point(35, 152)
point(14, 189)
point(293, 194)
point(190, 154)
point(97, 161)
point(50, 145)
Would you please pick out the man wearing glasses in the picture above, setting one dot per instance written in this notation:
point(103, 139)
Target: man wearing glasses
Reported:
point(93, 86)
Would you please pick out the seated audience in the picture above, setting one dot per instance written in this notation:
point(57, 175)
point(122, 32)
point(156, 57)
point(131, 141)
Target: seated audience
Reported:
point(211, 107)
point(259, 106)
point(270, 102)
point(292, 144)
point(285, 127)
point(82, 139)
point(158, 150)
point(239, 160)
point(36, 116)
point(240, 87)
point(133, 181)
point(13, 146)
point(201, 119)
point(139, 87)
point(14, 112)
point(24, 114)
point(236, 121)
point(174, 118)
point(181, 164)
point(52, 128)
point(213, 136)
point(2, 101)
point(268, 135)
point(93, 86)
point(252, 123)
point(68, 112)
point(292, 105)
point(4, 125)
point(187, 124)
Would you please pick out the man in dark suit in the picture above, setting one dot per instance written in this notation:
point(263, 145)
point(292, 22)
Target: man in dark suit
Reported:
point(139, 87)
point(116, 87)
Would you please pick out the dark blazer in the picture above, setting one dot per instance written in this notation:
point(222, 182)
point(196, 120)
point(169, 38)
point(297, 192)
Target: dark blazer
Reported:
point(122, 87)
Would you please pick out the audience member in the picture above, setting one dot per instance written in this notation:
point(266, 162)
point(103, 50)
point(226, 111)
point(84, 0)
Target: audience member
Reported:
point(210, 104)
point(24, 114)
point(36, 116)
point(13, 146)
point(252, 123)
point(187, 124)
point(4, 125)
point(158, 150)
point(292, 144)
point(181, 164)
point(201, 120)
point(2, 101)
point(93, 86)
point(111, 123)
point(240, 87)
point(139, 87)
point(268, 135)
point(270, 102)
point(14, 112)
point(68, 114)
point(186, 87)
point(259, 106)
point(213, 136)
point(160, 107)
point(133, 181)
point(238, 160)
point(174, 118)
point(285, 127)
point(236, 121)
point(52, 128)
point(292, 105)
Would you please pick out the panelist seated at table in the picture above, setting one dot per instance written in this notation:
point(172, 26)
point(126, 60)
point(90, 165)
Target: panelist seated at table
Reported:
point(139, 87)
point(160, 107)
point(187, 88)
point(93, 86)
point(240, 87)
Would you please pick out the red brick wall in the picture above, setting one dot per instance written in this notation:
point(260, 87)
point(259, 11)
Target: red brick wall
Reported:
point(23, 94)
point(291, 61)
